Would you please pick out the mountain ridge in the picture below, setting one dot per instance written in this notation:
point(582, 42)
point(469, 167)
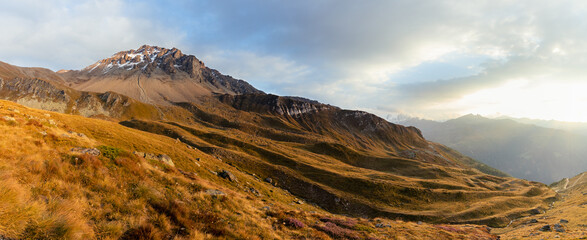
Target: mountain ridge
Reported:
point(523, 150)
point(155, 75)
point(347, 162)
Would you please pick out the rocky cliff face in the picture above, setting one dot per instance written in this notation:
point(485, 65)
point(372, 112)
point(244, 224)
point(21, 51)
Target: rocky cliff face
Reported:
point(155, 75)
point(326, 119)
point(46, 95)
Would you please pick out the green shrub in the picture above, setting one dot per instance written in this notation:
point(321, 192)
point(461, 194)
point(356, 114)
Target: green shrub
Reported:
point(109, 152)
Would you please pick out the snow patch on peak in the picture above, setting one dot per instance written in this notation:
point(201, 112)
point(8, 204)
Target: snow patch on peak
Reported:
point(140, 58)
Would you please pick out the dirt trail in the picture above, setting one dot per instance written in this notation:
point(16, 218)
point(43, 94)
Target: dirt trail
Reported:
point(578, 180)
point(566, 183)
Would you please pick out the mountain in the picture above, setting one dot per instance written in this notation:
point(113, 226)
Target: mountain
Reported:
point(44, 89)
point(70, 177)
point(522, 150)
point(155, 75)
point(574, 127)
point(280, 161)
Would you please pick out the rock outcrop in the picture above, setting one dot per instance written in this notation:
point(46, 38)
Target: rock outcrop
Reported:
point(227, 175)
point(163, 158)
point(89, 151)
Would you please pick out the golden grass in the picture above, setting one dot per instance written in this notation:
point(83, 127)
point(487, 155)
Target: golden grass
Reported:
point(47, 192)
point(395, 186)
point(572, 207)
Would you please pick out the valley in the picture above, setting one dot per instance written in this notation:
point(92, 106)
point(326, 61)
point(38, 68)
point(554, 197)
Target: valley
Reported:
point(185, 152)
point(525, 151)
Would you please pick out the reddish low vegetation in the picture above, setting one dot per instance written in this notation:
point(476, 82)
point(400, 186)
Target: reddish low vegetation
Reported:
point(337, 232)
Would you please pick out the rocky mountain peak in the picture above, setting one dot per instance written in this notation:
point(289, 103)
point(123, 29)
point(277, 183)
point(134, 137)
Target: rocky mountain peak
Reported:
point(153, 74)
point(147, 59)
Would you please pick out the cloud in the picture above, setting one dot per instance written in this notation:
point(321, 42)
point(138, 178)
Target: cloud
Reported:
point(418, 57)
point(74, 34)
point(356, 47)
point(270, 73)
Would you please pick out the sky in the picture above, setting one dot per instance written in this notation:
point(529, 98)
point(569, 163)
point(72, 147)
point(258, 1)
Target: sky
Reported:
point(424, 58)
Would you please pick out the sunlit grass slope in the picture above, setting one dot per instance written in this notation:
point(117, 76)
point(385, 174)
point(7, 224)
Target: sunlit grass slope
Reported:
point(345, 167)
point(49, 192)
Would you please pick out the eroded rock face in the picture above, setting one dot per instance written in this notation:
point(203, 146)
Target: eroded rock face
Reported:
point(316, 116)
point(42, 94)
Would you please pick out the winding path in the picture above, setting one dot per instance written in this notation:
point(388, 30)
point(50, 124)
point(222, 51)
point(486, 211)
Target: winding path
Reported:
point(578, 180)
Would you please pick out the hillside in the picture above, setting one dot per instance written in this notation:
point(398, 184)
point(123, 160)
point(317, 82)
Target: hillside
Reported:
point(522, 150)
point(567, 218)
point(337, 160)
point(284, 153)
point(43, 89)
point(55, 187)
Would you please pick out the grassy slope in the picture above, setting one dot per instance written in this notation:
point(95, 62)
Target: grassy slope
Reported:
point(370, 181)
point(47, 192)
point(572, 207)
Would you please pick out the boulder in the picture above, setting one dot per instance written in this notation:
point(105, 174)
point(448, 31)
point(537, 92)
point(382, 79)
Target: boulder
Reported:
point(215, 192)
point(535, 211)
point(564, 221)
point(89, 151)
point(165, 159)
point(161, 157)
point(227, 175)
point(559, 228)
point(545, 228)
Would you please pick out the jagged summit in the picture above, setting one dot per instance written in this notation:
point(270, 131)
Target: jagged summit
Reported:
point(147, 59)
point(156, 75)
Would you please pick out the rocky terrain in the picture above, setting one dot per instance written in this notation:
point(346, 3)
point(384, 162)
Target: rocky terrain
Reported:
point(155, 75)
point(44, 89)
point(224, 160)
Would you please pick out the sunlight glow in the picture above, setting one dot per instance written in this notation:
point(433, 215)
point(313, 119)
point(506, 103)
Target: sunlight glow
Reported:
point(532, 99)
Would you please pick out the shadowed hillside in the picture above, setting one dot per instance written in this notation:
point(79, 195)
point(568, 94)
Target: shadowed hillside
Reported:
point(350, 162)
point(291, 163)
point(70, 177)
point(522, 150)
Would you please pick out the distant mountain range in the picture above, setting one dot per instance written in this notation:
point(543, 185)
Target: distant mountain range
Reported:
point(523, 150)
point(573, 127)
